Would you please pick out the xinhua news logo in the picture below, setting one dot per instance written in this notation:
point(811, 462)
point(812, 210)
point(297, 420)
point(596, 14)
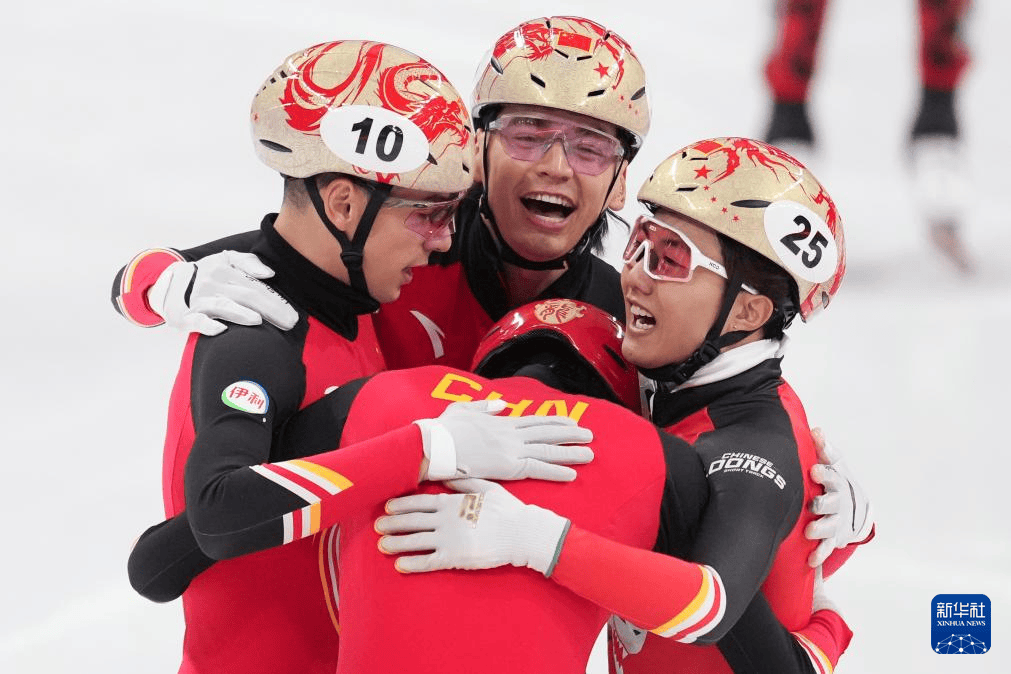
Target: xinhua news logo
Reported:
point(960, 624)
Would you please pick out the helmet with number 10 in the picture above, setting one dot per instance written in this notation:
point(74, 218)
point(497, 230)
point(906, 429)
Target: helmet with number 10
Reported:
point(365, 109)
point(766, 200)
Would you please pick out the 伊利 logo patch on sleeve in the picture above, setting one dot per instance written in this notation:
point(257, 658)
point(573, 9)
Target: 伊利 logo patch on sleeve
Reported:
point(246, 396)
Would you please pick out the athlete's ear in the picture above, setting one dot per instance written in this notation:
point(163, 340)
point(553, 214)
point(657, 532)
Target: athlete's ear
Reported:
point(478, 162)
point(616, 201)
point(344, 203)
point(749, 313)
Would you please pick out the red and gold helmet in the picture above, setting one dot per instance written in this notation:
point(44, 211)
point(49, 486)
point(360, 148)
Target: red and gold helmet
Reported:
point(568, 63)
point(764, 199)
point(365, 109)
point(589, 333)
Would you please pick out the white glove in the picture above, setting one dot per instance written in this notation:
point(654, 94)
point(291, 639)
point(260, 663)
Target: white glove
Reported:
point(226, 287)
point(484, 529)
point(468, 440)
point(844, 508)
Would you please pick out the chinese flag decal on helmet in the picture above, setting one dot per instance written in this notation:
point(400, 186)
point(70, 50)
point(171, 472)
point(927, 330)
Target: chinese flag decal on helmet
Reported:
point(567, 63)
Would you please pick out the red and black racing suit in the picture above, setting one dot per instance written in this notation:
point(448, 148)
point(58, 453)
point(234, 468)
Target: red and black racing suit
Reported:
point(752, 436)
point(643, 486)
point(234, 393)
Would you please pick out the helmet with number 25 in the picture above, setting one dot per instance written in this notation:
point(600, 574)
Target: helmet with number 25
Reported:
point(366, 109)
point(766, 200)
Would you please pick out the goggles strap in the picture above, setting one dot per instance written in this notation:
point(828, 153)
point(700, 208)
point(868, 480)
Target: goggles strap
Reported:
point(669, 377)
point(352, 251)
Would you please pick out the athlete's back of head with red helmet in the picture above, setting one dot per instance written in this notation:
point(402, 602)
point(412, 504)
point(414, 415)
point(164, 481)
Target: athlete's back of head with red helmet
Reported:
point(571, 346)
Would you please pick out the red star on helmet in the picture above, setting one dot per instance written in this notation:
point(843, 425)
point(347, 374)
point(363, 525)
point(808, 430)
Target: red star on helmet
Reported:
point(702, 172)
point(601, 70)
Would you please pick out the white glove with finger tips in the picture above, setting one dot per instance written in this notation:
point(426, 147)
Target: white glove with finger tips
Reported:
point(483, 529)
point(844, 508)
point(469, 440)
point(224, 286)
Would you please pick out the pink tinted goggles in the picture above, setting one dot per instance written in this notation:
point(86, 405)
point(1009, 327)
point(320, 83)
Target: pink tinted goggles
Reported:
point(527, 137)
point(428, 219)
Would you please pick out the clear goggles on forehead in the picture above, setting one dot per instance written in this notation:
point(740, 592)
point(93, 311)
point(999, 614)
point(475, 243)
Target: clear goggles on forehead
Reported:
point(527, 137)
point(428, 219)
point(667, 254)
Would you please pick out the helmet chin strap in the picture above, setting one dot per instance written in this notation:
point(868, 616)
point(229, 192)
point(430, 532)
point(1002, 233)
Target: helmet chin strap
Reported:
point(507, 253)
point(352, 250)
point(668, 377)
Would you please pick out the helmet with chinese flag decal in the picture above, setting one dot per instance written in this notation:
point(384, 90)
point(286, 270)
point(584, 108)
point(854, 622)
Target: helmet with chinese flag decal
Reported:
point(578, 344)
point(366, 109)
point(568, 63)
point(764, 199)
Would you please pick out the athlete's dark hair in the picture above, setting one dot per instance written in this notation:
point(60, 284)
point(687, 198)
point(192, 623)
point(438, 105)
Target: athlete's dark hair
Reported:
point(296, 194)
point(767, 278)
point(547, 358)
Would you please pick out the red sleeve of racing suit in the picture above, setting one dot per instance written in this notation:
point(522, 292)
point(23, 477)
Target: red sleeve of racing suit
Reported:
point(130, 286)
point(824, 639)
point(842, 555)
point(667, 595)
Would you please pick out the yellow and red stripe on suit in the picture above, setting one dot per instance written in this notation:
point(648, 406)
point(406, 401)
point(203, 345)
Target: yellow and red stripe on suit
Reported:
point(309, 481)
point(670, 597)
point(824, 639)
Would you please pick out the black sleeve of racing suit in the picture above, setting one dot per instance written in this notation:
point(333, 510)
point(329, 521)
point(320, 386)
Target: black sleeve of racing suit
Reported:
point(749, 512)
point(758, 643)
point(318, 427)
point(685, 494)
point(167, 557)
point(165, 560)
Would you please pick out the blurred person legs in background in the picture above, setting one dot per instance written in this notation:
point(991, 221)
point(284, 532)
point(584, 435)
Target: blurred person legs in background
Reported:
point(935, 147)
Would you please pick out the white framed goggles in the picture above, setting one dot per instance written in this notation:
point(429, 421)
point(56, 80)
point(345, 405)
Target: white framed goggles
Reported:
point(668, 254)
point(528, 136)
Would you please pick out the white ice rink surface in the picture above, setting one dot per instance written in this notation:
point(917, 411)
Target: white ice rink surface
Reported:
point(125, 127)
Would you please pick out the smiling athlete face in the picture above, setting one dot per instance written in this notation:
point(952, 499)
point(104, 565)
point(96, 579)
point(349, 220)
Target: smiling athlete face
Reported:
point(668, 320)
point(543, 206)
